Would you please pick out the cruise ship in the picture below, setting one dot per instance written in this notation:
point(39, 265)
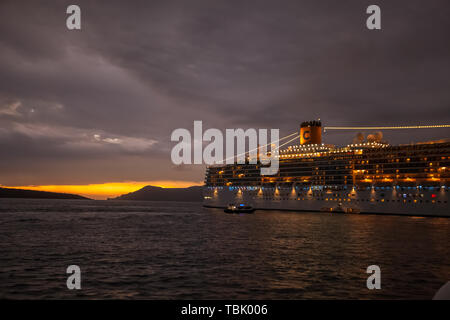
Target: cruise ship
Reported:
point(365, 177)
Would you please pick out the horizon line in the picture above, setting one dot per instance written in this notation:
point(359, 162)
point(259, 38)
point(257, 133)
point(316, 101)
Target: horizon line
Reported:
point(103, 191)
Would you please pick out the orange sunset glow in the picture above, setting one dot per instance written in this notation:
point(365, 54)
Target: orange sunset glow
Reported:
point(102, 191)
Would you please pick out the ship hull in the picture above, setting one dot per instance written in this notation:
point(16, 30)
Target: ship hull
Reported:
point(407, 202)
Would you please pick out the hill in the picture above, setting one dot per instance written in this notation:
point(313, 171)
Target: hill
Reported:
point(151, 193)
point(32, 194)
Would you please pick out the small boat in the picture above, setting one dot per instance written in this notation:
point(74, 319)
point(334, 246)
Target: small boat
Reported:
point(353, 210)
point(340, 209)
point(337, 209)
point(241, 208)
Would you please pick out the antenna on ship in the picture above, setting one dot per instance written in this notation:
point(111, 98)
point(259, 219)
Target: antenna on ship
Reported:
point(389, 127)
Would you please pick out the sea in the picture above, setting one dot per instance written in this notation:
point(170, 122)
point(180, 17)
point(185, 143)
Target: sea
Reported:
point(179, 250)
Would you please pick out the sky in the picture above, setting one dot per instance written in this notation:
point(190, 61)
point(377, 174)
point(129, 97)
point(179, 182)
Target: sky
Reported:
point(96, 107)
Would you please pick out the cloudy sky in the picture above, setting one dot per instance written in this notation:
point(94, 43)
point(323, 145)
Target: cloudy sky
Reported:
point(98, 105)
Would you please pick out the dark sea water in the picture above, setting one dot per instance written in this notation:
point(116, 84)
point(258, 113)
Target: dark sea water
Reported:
point(162, 250)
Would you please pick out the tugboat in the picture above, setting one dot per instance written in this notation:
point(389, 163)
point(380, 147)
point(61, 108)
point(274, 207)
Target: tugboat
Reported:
point(241, 208)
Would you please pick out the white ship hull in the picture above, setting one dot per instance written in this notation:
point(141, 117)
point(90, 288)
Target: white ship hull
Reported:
point(413, 202)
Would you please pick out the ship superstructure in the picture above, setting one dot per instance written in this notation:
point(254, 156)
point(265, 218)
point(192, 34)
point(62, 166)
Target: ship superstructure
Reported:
point(365, 177)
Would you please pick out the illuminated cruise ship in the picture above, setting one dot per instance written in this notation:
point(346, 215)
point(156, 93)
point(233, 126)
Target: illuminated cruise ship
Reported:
point(364, 177)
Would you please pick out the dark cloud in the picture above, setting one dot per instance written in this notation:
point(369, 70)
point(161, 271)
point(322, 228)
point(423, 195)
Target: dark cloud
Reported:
point(105, 99)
